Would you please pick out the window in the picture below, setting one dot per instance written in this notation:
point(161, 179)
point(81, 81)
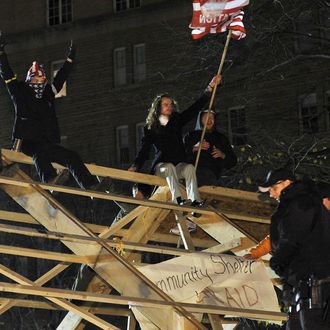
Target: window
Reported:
point(308, 116)
point(56, 66)
point(120, 66)
point(126, 4)
point(324, 24)
point(59, 11)
point(237, 126)
point(139, 133)
point(306, 32)
point(139, 62)
point(327, 109)
point(122, 138)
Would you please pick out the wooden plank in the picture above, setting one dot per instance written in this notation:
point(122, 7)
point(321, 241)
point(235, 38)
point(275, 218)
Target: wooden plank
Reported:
point(90, 193)
point(47, 255)
point(126, 245)
point(184, 233)
point(36, 304)
point(135, 301)
point(117, 272)
point(137, 233)
point(117, 174)
point(9, 303)
point(57, 300)
point(97, 229)
point(139, 177)
point(232, 193)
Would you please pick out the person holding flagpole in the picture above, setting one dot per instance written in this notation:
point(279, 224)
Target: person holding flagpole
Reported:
point(163, 131)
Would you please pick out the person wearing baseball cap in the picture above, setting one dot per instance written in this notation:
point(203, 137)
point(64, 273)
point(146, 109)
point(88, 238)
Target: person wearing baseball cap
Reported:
point(299, 237)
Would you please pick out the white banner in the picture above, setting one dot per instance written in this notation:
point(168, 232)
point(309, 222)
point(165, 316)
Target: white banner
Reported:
point(221, 279)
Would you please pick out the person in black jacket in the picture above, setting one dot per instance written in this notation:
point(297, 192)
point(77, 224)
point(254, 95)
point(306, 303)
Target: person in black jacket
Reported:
point(36, 125)
point(216, 153)
point(300, 245)
point(164, 132)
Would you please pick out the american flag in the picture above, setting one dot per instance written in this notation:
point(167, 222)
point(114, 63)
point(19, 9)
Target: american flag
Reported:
point(217, 16)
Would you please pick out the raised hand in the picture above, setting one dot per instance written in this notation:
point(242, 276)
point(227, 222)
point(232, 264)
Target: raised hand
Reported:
point(72, 51)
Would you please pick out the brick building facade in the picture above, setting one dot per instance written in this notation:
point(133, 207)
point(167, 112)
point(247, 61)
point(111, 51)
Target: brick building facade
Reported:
point(128, 51)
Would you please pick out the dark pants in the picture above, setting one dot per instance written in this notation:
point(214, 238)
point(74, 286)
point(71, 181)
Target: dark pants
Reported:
point(311, 319)
point(206, 177)
point(317, 317)
point(293, 322)
point(44, 153)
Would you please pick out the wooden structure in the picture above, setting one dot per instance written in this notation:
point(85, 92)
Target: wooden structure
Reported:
point(92, 245)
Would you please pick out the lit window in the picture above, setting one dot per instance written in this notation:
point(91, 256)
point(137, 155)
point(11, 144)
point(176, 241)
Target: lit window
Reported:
point(126, 4)
point(122, 139)
point(120, 66)
point(237, 126)
point(139, 62)
point(308, 114)
point(56, 66)
point(59, 11)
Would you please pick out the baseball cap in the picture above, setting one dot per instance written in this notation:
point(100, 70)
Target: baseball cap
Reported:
point(324, 189)
point(275, 176)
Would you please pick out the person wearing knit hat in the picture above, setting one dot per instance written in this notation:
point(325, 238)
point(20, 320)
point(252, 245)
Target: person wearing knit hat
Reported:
point(216, 154)
point(36, 131)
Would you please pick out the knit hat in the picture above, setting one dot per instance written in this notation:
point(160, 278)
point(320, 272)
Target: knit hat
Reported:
point(36, 70)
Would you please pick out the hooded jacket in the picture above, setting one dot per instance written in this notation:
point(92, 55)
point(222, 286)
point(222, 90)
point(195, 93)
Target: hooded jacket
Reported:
point(35, 118)
point(300, 231)
point(216, 139)
point(167, 140)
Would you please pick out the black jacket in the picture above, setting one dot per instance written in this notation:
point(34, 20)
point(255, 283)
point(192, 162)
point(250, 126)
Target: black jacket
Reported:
point(167, 140)
point(34, 118)
point(300, 234)
point(215, 138)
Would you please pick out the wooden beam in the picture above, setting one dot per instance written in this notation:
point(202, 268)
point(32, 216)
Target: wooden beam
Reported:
point(37, 304)
point(90, 193)
point(9, 303)
point(117, 174)
point(97, 229)
point(135, 301)
point(57, 300)
point(184, 233)
point(117, 271)
point(48, 255)
point(126, 245)
point(232, 193)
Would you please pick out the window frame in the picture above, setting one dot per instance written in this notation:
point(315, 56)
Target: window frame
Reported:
point(60, 14)
point(301, 116)
point(128, 7)
point(327, 110)
point(116, 75)
point(230, 127)
point(137, 137)
point(138, 77)
point(119, 146)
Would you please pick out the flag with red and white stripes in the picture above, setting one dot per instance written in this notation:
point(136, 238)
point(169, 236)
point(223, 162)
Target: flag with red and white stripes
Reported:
point(217, 16)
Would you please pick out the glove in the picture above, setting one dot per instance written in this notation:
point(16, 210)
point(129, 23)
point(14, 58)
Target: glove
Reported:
point(3, 43)
point(72, 51)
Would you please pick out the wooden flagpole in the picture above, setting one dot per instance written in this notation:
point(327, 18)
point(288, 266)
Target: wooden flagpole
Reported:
point(213, 96)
